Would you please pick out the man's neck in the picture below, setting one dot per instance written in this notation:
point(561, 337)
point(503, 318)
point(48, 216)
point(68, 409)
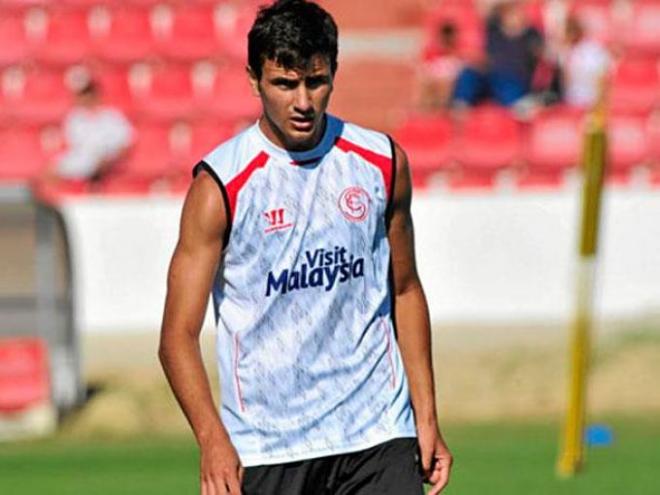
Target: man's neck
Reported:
point(275, 136)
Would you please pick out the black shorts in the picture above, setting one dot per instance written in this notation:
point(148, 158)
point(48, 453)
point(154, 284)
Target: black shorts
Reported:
point(389, 468)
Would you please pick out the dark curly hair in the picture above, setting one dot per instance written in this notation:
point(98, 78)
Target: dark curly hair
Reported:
point(291, 32)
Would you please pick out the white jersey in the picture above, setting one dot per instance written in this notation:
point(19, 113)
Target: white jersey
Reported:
point(308, 360)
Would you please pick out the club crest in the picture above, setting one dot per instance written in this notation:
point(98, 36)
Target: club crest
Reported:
point(354, 203)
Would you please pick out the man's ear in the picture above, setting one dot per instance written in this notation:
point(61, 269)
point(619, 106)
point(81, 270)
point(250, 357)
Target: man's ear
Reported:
point(254, 81)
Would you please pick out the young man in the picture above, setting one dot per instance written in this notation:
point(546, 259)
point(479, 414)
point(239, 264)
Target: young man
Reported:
point(300, 226)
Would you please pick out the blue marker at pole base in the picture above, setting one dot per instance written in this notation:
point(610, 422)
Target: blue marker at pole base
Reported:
point(599, 435)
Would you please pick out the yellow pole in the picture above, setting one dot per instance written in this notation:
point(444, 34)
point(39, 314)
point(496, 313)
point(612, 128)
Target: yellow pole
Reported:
point(571, 457)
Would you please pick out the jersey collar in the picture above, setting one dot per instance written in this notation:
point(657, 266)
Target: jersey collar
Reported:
point(307, 157)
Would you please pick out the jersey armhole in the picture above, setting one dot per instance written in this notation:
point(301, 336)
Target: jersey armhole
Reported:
point(390, 195)
point(202, 165)
point(388, 217)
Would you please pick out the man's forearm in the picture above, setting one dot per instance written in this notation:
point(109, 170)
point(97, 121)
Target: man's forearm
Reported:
point(182, 362)
point(414, 339)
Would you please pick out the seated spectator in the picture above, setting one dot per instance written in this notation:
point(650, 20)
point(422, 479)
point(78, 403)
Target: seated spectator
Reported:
point(585, 64)
point(441, 63)
point(96, 137)
point(513, 48)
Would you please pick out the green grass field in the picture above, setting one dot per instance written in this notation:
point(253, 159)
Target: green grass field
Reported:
point(491, 459)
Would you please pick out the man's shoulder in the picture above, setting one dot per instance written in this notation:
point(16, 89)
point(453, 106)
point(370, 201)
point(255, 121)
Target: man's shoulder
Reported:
point(229, 157)
point(364, 137)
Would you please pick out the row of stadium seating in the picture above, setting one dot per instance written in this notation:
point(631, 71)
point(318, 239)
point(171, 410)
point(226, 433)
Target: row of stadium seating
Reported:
point(143, 91)
point(117, 31)
point(22, 4)
point(123, 34)
point(160, 152)
point(181, 91)
point(188, 31)
point(159, 89)
point(473, 151)
point(489, 140)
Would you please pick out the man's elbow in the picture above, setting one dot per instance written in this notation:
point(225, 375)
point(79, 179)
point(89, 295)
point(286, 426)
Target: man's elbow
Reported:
point(163, 352)
point(411, 287)
point(165, 348)
point(173, 342)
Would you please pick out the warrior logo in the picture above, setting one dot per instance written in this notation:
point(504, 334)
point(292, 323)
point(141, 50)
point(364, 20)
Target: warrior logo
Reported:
point(354, 203)
point(275, 219)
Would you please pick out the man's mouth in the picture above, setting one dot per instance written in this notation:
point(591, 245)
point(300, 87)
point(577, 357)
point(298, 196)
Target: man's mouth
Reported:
point(302, 124)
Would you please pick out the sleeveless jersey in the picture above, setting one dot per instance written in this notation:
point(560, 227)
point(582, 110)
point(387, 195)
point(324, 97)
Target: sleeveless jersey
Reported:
point(307, 355)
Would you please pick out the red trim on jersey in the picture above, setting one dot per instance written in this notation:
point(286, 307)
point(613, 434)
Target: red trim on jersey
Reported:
point(236, 184)
point(383, 163)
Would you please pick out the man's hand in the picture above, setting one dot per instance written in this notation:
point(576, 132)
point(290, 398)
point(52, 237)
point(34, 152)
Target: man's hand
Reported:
point(435, 457)
point(220, 468)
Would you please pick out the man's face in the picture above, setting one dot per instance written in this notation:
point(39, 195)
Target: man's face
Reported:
point(573, 31)
point(294, 102)
point(87, 99)
point(514, 19)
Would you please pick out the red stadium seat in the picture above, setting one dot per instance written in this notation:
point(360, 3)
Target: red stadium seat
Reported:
point(67, 39)
point(628, 144)
point(78, 4)
point(150, 159)
point(115, 89)
point(555, 140)
point(489, 140)
point(149, 165)
point(427, 140)
point(232, 23)
point(204, 138)
point(597, 17)
point(643, 32)
point(653, 130)
point(169, 96)
point(189, 144)
point(142, 3)
point(231, 98)
point(129, 36)
point(470, 180)
point(635, 85)
point(23, 4)
point(44, 98)
point(14, 45)
point(534, 11)
point(192, 35)
point(654, 179)
point(534, 179)
point(24, 373)
point(21, 154)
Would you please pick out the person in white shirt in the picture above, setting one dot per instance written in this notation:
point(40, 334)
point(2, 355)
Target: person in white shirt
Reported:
point(585, 65)
point(96, 138)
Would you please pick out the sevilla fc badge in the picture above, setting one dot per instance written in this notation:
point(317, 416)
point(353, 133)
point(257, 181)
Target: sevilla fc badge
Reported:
point(354, 203)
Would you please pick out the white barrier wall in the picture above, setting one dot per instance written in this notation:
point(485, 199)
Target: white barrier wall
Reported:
point(491, 257)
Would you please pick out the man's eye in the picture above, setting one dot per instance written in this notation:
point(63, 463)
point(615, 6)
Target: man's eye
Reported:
point(315, 83)
point(287, 84)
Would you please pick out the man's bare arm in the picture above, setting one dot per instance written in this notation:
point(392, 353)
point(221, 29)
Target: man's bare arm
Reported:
point(191, 274)
point(414, 330)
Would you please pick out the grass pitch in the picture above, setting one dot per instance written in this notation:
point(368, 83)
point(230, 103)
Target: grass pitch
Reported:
point(491, 459)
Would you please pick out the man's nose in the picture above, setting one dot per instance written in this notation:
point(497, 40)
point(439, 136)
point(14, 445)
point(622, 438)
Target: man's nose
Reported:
point(303, 102)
